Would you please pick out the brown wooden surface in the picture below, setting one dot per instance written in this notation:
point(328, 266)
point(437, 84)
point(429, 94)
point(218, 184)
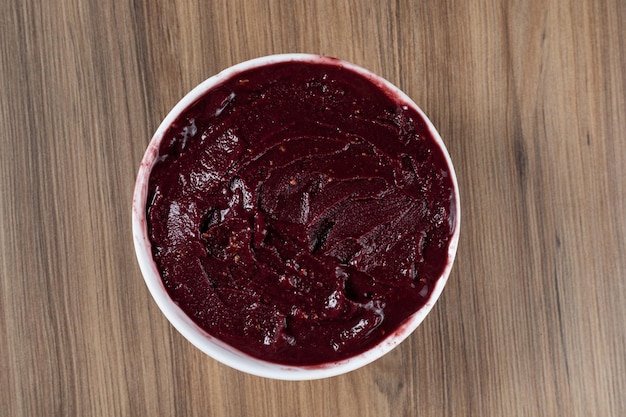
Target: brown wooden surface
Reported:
point(530, 98)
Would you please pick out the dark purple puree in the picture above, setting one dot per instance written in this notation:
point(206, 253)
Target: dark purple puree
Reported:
point(299, 213)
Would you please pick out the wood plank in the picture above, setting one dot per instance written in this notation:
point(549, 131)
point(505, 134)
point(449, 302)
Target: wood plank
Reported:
point(530, 98)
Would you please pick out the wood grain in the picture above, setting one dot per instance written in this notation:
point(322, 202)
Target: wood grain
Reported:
point(530, 98)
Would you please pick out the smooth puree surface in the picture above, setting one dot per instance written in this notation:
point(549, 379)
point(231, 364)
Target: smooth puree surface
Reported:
point(300, 213)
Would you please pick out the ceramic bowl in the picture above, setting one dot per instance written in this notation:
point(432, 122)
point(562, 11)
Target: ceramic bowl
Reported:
point(214, 347)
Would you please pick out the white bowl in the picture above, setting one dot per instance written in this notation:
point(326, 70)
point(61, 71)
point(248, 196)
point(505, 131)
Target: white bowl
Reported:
point(215, 347)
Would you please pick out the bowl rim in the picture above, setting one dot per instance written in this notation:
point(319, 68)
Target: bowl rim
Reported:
point(213, 346)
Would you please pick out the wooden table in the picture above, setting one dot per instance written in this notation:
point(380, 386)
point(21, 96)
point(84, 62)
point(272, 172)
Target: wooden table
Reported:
point(530, 98)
